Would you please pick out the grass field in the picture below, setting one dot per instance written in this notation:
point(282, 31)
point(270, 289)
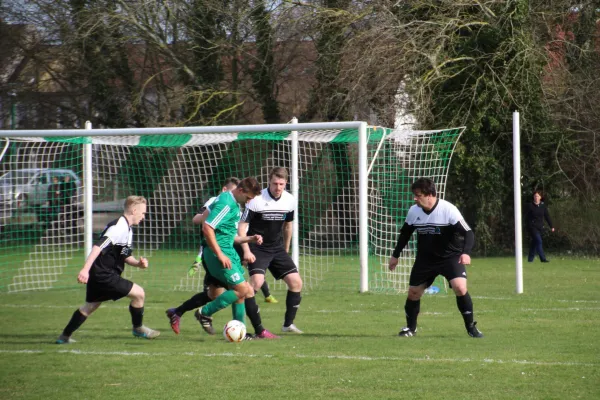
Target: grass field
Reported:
point(543, 344)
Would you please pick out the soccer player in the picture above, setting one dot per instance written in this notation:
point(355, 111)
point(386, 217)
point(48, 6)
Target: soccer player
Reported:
point(213, 287)
point(271, 215)
point(441, 250)
point(102, 273)
point(221, 259)
point(230, 184)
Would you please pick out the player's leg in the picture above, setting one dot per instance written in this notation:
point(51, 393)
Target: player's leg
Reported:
point(257, 280)
point(174, 314)
point(292, 301)
point(213, 291)
point(258, 268)
point(412, 307)
point(136, 309)
point(95, 293)
point(77, 319)
point(253, 312)
point(456, 274)
point(266, 291)
point(264, 287)
point(244, 292)
point(233, 277)
point(227, 298)
point(421, 277)
point(282, 267)
point(257, 271)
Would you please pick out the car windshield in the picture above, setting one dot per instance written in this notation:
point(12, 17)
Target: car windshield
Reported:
point(15, 178)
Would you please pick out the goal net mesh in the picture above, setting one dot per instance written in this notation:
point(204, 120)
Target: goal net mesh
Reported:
point(41, 200)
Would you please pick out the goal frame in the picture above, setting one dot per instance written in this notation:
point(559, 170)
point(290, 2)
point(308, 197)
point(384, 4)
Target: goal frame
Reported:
point(293, 128)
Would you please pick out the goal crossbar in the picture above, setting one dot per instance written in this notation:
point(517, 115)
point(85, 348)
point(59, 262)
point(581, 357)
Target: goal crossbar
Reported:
point(398, 150)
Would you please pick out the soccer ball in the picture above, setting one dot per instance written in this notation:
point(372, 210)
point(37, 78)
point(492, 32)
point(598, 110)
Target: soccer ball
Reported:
point(234, 331)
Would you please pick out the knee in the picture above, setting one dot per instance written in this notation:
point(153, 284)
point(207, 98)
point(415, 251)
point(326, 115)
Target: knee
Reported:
point(214, 292)
point(137, 294)
point(294, 283)
point(414, 293)
point(460, 287)
point(88, 308)
point(257, 281)
point(243, 291)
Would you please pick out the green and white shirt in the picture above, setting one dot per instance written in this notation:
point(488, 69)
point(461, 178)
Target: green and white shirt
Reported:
point(223, 218)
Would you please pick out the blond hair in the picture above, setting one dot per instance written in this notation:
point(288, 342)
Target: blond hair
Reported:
point(132, 201)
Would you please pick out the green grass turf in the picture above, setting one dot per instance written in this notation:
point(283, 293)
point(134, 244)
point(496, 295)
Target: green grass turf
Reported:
point(543, 344)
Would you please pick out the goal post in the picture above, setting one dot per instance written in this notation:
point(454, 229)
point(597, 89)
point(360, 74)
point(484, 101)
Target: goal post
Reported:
point(352, 182)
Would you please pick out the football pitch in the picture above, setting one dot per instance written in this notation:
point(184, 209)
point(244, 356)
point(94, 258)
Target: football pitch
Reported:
point(543, 344)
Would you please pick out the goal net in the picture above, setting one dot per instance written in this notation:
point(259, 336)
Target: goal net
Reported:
point(42, 190)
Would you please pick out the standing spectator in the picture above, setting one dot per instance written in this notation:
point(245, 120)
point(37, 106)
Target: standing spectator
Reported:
point(54, 200)
point(68, 191)
point(534, 219)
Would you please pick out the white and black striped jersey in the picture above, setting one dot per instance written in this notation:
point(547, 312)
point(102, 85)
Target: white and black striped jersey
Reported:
point(115, 242)
point(266, 215)
point(441, 232)
point(207, 204)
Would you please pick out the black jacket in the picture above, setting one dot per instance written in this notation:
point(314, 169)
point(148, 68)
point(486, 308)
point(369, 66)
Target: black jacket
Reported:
point(536, 213)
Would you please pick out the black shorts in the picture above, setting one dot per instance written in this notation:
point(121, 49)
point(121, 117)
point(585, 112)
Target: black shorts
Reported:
point(424, 272)
point(278, 261)
point(110, 287)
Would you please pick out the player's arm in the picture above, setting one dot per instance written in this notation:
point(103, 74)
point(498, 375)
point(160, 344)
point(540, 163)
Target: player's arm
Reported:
point(84, 274)
point(463, 228)
point(141, 263)
point(288, 228)
point(249, 257)
point(405, 233)
point(201, 216)
point(211, 241)
point(243, 227)
point(248, 239)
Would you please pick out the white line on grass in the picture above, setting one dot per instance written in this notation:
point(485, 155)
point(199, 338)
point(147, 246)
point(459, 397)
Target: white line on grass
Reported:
point(526, 310)
point(306, 356)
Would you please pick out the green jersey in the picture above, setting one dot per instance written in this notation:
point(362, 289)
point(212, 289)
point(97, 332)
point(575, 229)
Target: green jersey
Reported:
point(223, 218)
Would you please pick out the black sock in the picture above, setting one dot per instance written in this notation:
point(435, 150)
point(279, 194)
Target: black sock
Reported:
point(76, 320)
point(465, 306)
point(196, 301)
point(265, 289)
point(412, 308)
point(137, 316)
point(292, 302)
point(253, 313)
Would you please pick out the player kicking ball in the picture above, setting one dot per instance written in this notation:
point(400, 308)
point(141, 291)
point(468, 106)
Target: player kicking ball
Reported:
point(222, 261)
point(102, 273)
